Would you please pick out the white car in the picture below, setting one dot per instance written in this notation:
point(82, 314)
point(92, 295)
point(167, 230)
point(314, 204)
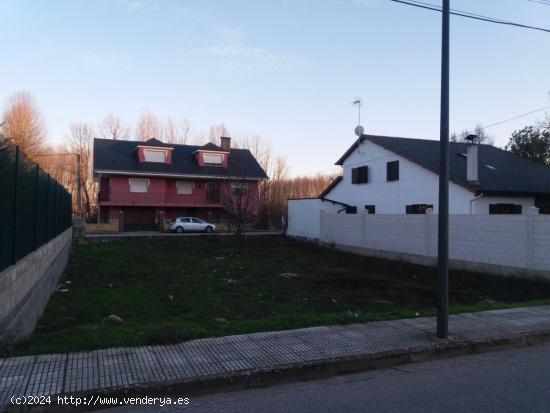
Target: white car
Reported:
point(189, 224)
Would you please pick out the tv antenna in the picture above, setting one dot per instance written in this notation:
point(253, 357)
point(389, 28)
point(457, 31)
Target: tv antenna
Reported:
point(357, 101)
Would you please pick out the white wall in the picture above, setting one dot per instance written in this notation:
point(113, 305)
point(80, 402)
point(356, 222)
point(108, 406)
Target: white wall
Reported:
point(490, 242)
point(304, 217)
point(481, 205)
point(416, 185)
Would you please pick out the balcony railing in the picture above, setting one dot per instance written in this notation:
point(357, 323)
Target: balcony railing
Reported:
point(157, 199)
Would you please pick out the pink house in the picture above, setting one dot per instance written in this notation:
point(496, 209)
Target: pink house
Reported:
point(144, 184)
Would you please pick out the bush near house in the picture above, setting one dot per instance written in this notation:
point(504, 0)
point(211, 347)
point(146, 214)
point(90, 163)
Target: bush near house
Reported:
point(166, 290)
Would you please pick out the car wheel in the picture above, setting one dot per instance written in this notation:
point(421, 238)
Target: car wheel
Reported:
point(208, 229)
point(179, 230)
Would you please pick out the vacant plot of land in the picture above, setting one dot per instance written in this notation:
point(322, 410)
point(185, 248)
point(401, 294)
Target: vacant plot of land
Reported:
point(171, 289)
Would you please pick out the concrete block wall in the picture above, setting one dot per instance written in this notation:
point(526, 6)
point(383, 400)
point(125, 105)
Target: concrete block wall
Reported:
point(303, 217)
point(25, 287)
point(112, 226)
point(501, 244)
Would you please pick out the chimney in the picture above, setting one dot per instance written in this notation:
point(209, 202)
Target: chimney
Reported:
point(472, 162)
point(226, 143)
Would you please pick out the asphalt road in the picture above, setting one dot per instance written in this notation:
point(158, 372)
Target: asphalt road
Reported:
point(515, 380)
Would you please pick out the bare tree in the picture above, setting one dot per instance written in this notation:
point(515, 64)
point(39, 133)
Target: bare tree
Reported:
point(23, 123)
point(112, 127)
point(200, 138)
point(81, 142)
point(149, 127)
point(217, 131)
point(177, 133)
point(240, 205)
point(478, 130)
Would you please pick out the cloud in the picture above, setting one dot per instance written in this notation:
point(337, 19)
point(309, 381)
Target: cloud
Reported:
point(134, 5)
point(105, 62)
point(236, 55)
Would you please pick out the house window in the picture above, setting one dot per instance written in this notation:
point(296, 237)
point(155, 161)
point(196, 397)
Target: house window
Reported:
point(239, 188)
point(418, 208)
point(153, 155)
point(360, 175)
point(212, 192)
point(139, 185)
point(504, 209)
point(213, 159)
point(392, 171)
point(351, 210)
point(371, 209)
point(543, 205)
point(184, 187)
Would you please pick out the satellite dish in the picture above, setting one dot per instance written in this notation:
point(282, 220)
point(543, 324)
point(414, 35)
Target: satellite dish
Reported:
point(359, 130)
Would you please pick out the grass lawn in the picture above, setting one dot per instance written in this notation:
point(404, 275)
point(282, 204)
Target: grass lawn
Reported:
point(171, 289)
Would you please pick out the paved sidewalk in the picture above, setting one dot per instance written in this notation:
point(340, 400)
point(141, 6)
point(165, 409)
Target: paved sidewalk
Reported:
point(258, 359)
point(139, 234)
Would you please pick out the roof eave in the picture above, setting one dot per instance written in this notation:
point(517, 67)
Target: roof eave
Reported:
point(176, 175)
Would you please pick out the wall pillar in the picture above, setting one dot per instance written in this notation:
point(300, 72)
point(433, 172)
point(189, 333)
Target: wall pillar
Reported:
point(161, 221)
point(531, 213)
point(429, 232)
point(78, 227)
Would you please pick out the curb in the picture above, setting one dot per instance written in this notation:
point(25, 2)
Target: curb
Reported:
point(322, 369)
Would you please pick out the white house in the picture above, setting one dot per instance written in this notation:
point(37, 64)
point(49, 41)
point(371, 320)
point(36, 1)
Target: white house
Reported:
point(389, 175)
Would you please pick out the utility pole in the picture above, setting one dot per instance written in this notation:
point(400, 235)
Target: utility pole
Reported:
point(79, 188)
point(443, 216)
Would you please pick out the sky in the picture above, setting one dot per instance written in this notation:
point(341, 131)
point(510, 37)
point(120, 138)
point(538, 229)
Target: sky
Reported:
point(286, 70)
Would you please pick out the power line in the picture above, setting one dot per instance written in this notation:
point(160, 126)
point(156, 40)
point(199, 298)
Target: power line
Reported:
point(517, 117)
point(469, 15)
point(420, 150)
point(546, 3)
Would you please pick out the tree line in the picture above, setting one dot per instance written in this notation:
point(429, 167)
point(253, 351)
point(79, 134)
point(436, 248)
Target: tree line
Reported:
point(23, 124)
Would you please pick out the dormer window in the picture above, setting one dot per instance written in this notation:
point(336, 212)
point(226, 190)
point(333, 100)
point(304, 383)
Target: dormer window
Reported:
point(154, 155)
point(155, 151)
point(213, 159)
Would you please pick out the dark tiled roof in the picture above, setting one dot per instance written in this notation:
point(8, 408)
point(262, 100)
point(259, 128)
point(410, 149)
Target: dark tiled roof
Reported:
point(511, 173)
point(121, 156)
point(153, 142)
point(211, 147)
point(334, 182)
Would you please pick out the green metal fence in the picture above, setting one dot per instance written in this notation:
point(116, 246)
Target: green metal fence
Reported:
point(34, 207)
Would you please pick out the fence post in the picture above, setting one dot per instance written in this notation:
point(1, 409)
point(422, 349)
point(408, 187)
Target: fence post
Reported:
point(47, 212)
point(14, 206)
point(35, 207)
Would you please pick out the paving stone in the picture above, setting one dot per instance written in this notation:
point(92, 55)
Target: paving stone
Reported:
point(197, 359)
point(82, 372)
point(47, 375)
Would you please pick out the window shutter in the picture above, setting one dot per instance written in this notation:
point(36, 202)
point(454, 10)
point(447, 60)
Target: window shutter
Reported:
point(154, 155)
point(360, 175)
point(392, 171)
point(354, 175)
point(139, 185)
point(418, 208)
point(371, 209)
point(213, 159)
point(504, 209)
point(184, 187)
point(364, 174)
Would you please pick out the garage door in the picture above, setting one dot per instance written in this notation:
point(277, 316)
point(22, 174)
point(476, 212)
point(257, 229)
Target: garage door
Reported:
point(139, 219)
